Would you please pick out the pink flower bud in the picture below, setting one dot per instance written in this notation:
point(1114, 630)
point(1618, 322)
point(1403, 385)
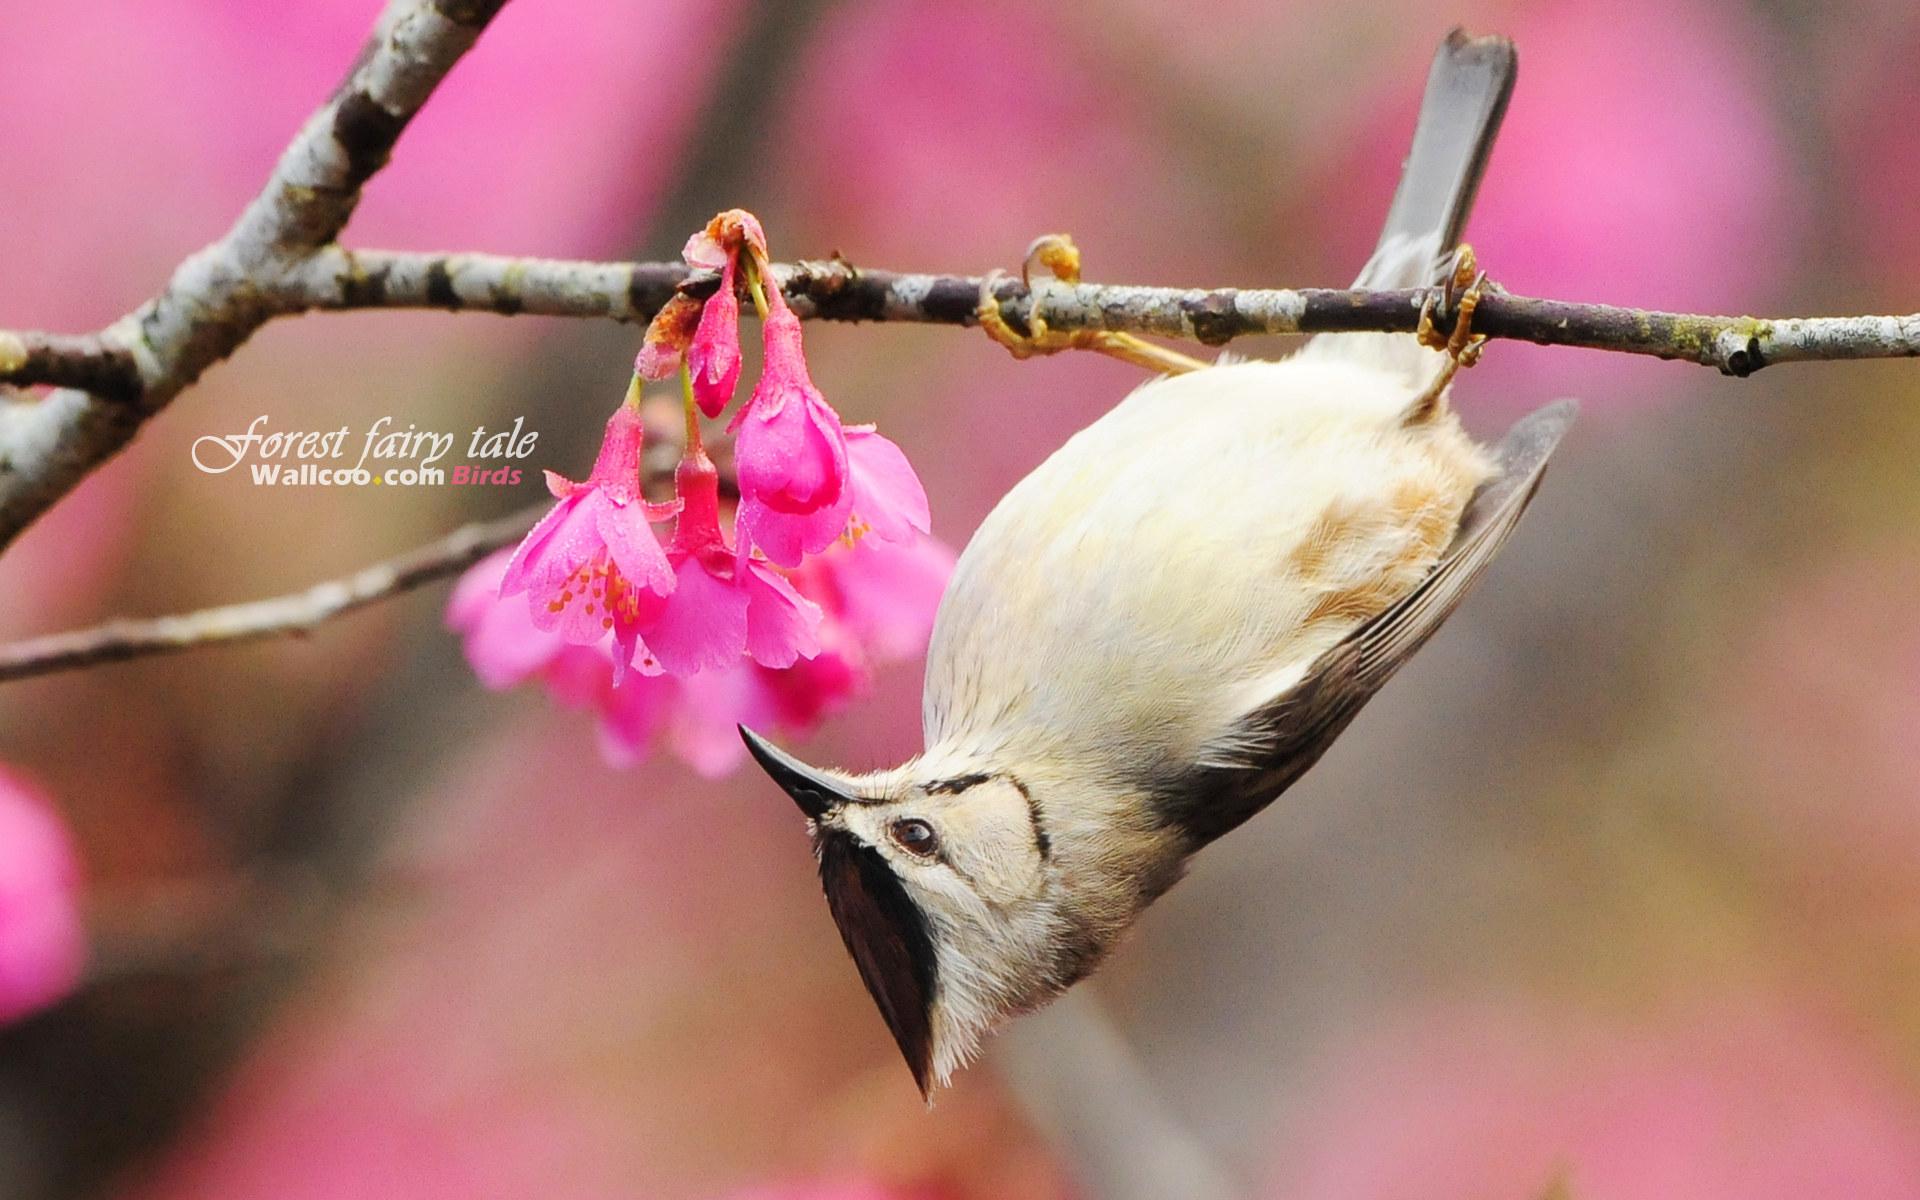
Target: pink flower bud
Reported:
point(790, 453)
point(713, 357)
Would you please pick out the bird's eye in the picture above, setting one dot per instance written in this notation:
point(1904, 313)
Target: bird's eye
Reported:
point(914, 836)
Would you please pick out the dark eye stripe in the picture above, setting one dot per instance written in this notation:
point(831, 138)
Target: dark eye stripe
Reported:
point(1041, 841)
point(956, 785)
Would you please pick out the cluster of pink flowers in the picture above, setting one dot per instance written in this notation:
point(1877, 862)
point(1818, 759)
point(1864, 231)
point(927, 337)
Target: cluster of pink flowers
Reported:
point(768, 612)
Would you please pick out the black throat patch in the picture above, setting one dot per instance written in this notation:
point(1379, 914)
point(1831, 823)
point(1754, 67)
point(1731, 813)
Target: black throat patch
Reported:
point(886, 933)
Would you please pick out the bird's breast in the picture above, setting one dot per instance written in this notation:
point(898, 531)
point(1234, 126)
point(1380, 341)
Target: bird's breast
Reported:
point(1183, 557)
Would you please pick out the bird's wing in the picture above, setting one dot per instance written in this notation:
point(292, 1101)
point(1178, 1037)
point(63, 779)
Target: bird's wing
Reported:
point(1277, 742)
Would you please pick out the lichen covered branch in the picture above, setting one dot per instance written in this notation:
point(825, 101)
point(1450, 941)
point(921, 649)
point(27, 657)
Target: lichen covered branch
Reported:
point(839, 291)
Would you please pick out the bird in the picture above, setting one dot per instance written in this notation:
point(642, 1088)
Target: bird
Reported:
point(1167, 623)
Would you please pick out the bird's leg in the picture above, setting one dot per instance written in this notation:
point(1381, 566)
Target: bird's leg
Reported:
point(1057, 253)
point(1461, 345)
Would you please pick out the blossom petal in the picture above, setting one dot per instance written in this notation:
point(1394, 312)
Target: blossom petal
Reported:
point(817, 687)
point(703, 625)
point(498, 636)
point(704, 250)
point(888, 499)
point(631, 543)
point(704, 730)
point(887, 593)
point(791, 459)
point(782, 625)
point(632, 717)
point(578, 676)
point(526, 564)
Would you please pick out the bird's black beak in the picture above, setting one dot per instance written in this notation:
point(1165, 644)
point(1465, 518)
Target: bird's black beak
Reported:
point(884, 930)
point(888, 937)
point(813, 792)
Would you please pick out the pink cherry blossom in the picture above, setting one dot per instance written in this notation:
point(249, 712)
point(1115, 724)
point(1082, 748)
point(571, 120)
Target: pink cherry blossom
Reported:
point(884, 593)
point(813, 689)
point(724, 602)
point(506, 648)
point(42, 941)
point(888, 501)
point(698, 717)
point(713, 357)
point(791, 452)
point(589, 564)
point(876, 600)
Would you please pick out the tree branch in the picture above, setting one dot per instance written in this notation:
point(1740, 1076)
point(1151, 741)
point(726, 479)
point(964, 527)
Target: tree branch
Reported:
point(839, 291)
point(334, 278)
point(292, 614)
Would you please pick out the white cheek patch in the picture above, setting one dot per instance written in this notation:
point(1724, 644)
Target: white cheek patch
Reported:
point(987, 834)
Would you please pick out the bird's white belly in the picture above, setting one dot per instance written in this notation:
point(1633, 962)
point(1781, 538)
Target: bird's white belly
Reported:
point(1189, 554)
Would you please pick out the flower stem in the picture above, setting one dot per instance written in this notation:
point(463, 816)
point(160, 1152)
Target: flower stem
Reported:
point(633, 391)
point(694, 448)
point(755, 287)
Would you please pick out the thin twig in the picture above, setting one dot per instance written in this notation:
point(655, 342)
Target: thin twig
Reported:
point(295, 613)
point(334, 278)
point(839, 291)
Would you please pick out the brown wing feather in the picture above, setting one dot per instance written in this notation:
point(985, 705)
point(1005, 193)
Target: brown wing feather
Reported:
point(1294, 729)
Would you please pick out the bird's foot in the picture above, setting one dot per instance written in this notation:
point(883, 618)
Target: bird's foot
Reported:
point(1459, 293)
point(1061, 258)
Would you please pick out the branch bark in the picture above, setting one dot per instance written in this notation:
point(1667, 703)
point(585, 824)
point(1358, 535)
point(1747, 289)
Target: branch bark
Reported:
point(292, 614)
point(839, 291)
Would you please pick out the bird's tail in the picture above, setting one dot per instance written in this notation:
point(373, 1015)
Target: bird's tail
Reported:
point(1466, 96)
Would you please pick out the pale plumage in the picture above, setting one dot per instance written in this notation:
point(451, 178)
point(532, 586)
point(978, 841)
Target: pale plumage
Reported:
point(1203, 543)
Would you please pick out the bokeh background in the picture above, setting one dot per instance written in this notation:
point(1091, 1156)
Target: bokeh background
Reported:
point(1615, 890)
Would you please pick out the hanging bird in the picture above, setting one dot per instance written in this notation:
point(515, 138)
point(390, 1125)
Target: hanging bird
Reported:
point(1167, 623)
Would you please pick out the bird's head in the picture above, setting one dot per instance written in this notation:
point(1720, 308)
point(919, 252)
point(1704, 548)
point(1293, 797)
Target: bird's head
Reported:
point(951, 891)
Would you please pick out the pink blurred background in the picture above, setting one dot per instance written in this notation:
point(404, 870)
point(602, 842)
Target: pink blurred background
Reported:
point(1615, 888)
